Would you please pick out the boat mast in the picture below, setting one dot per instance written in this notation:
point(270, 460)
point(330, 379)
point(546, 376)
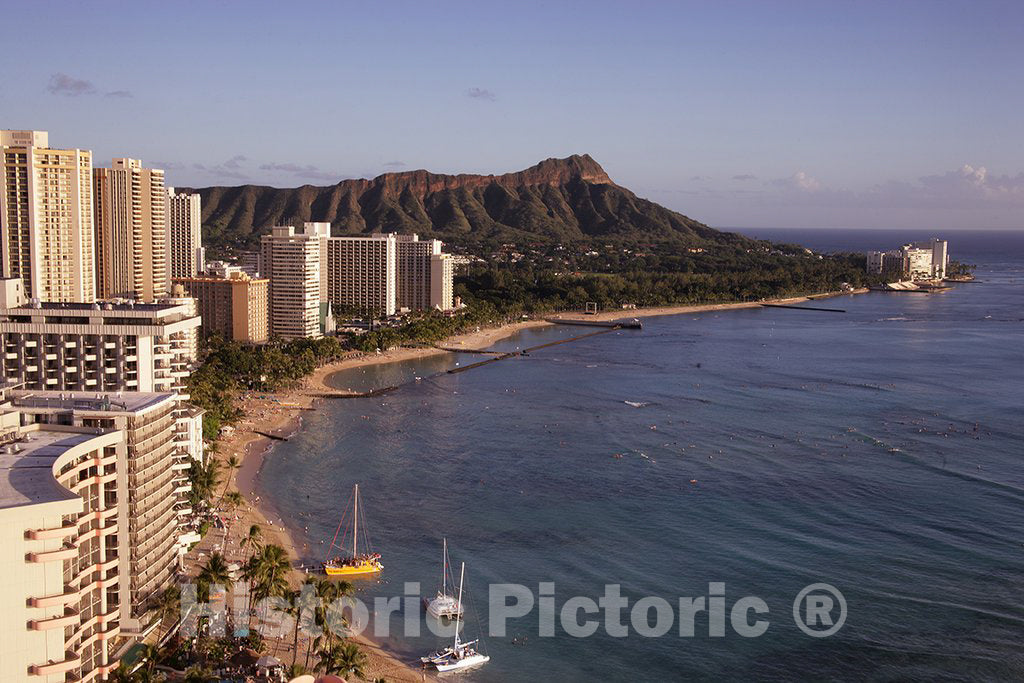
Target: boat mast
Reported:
point(355, 522)
point(458, 612)
point(444, 568)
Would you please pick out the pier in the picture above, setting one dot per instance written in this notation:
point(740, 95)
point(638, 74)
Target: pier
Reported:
point(275, 437)
point(633, 324)
point(806, 308)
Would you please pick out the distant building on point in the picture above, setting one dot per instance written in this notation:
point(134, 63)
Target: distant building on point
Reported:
point(927, 260)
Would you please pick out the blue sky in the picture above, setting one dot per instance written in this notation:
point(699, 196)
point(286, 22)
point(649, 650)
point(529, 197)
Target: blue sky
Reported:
point(761, 114)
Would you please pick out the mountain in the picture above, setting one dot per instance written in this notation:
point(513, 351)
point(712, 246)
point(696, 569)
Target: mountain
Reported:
point(560, 200)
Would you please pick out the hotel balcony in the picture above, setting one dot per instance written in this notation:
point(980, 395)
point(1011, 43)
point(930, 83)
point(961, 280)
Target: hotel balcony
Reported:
point(69, 595)
point(67, 529)
point(72, 660)
point(68, 551)
point(69, 618)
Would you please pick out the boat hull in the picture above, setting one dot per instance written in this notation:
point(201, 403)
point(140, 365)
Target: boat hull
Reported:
point(354, 571)
point(464, 663)
point(444, 607)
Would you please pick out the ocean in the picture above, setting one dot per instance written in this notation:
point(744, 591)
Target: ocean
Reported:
point(878, 451)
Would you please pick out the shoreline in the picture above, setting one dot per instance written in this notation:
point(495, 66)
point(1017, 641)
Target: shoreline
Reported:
point(281, 414)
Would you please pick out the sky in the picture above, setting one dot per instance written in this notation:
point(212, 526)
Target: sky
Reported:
point(825, 114)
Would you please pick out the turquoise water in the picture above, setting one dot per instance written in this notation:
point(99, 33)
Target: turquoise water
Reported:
point(878, 450)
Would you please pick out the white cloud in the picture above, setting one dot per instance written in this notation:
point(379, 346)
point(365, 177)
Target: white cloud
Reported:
point(799, 181)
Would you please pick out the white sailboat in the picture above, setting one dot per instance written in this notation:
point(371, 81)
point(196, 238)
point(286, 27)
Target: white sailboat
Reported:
point(460, 655)
point(444, 606)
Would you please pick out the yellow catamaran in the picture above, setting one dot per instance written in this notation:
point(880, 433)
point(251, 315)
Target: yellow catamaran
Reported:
point(356, 566)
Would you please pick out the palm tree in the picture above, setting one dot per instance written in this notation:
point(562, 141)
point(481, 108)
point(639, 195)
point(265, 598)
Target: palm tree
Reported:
point(253, 539)
point(294, 610)
point(168, 603)
point(270, 571)
point(214, 573)
point(267, 573)
point(232, 463)
point(199, 674)
point(344, 659)
point(204, 479)
point(232, 499)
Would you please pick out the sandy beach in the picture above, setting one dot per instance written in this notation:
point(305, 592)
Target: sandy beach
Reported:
point(280, 414)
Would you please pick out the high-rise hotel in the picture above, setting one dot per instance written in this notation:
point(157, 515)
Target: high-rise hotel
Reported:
point(423, 274)
point(131, 232)
point(184, 234)
point(88, 523)
point(46, 217)
point(291, 261)
point(379, 274)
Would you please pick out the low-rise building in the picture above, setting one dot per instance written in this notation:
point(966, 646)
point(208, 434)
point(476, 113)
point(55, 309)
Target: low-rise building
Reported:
point(233, 306)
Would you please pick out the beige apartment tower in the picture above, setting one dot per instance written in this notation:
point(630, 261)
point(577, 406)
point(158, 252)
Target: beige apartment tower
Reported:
point(423, 275)
point(184, 234)
point(233, 307)
point(361, 274)
point(46, 217)
point(413, 272)
point(131, 232)
point(292, 264)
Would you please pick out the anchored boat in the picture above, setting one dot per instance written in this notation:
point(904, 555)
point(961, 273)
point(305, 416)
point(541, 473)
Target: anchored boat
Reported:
point(460, 655)
point(444, 605)
point(357, 565)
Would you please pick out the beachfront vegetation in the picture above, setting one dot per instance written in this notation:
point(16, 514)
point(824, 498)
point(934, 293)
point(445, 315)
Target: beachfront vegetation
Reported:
point(654, 279)
point(231, 367)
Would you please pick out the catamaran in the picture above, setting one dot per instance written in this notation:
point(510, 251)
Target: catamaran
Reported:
point(460, 655)
point(357, 565)
point(444, 605)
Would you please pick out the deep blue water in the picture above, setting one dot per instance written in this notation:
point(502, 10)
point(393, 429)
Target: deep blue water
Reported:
point(879, 451)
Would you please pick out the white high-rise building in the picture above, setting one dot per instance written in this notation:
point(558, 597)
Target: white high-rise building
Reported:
point(926, 260)
point(46, 217)
point(185, 237)
point(292, 264)
point(442, 276)
point(131, 232)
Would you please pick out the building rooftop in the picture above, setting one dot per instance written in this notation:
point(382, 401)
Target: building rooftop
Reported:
point(26, 466)
point(90, 401)
point(99, 307)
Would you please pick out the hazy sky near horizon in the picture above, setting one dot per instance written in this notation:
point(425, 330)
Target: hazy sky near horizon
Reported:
point(744, 114)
